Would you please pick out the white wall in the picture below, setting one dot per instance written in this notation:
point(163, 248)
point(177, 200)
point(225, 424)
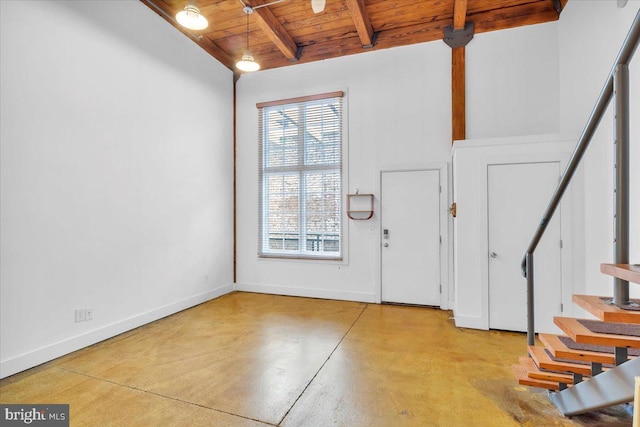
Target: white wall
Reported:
point(116, 174)
point(512, 82)
point(399, 116)
point(590, 36)
point(581, 49)
point(471, 159)
point(116, 157)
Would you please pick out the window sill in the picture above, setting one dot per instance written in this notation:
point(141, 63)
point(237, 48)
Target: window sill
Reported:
point(300, 257)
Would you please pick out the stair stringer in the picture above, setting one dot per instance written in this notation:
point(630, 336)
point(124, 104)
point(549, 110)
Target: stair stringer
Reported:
point(609, 388)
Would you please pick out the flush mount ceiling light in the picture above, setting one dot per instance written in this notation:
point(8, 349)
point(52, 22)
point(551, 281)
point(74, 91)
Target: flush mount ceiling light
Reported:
point(191, 18)
point(247, 63)
point(318, 5)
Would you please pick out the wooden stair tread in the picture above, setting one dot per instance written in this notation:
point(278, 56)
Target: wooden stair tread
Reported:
point(534, 372)
point(606, 312)
point(628, 272)
point(580, 334)
point(559, 350)
point(523, 379)
point(544, 361)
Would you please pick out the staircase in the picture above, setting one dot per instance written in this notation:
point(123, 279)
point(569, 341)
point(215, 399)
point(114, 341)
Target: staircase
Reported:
point(594, 364)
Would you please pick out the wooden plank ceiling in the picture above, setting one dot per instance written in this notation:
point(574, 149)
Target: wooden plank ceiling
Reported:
point(289, 33)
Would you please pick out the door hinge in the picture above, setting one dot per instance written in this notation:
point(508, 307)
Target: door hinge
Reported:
point(561, 244)
point(561, 308)
point(440, 190)
point(440, 239)
point(440, 288)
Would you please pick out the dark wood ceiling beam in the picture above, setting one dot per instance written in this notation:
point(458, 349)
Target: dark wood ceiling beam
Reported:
point(458, 77)
point(418, 33)
point(458, 94)
point(163, 10)
point(352, 45)
point(459, 14)
point(508, 17)
point(515, 16)
point(361, 21)
point(343, 39)
point(274, 30)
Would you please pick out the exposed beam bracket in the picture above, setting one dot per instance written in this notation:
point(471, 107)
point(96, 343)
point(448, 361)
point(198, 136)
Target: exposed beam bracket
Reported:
point(298, 54)
point(458, 38)
point(374, 39)
point(557, 5)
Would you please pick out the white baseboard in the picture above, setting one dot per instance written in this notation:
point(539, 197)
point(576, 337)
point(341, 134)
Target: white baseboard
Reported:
point(471, 322)
point(47, 353)
point(307, 292)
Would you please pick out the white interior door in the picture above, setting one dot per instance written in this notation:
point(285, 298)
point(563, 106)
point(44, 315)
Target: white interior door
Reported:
point(410, 212)
point(518, 194)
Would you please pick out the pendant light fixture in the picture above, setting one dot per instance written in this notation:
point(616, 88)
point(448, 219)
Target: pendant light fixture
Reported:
point(247, 63)
point(191, 18)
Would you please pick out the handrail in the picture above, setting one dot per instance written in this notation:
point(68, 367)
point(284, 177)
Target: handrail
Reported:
point(624, 57)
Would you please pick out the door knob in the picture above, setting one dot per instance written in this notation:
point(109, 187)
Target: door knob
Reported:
point(386, 245)
point(494, 255)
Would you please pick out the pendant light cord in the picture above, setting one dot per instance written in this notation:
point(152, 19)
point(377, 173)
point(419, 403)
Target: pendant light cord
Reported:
point(247, 31)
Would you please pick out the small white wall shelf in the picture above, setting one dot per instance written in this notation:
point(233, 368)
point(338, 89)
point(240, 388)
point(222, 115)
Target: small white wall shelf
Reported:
point(360, 206)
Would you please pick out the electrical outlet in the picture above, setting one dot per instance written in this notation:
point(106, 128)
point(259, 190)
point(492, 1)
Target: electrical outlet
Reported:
point(88, 314)
point(80, 314)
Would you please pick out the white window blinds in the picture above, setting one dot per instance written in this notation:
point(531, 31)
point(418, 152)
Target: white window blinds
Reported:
point(300, 172)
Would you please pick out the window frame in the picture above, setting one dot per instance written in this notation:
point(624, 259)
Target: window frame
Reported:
point(300, 169)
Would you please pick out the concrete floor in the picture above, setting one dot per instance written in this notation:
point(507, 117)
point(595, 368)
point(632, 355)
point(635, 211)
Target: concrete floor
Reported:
point(254, 360)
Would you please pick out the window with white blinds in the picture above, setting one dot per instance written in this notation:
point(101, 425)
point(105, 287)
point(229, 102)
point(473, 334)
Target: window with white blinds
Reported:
point(300, 172)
